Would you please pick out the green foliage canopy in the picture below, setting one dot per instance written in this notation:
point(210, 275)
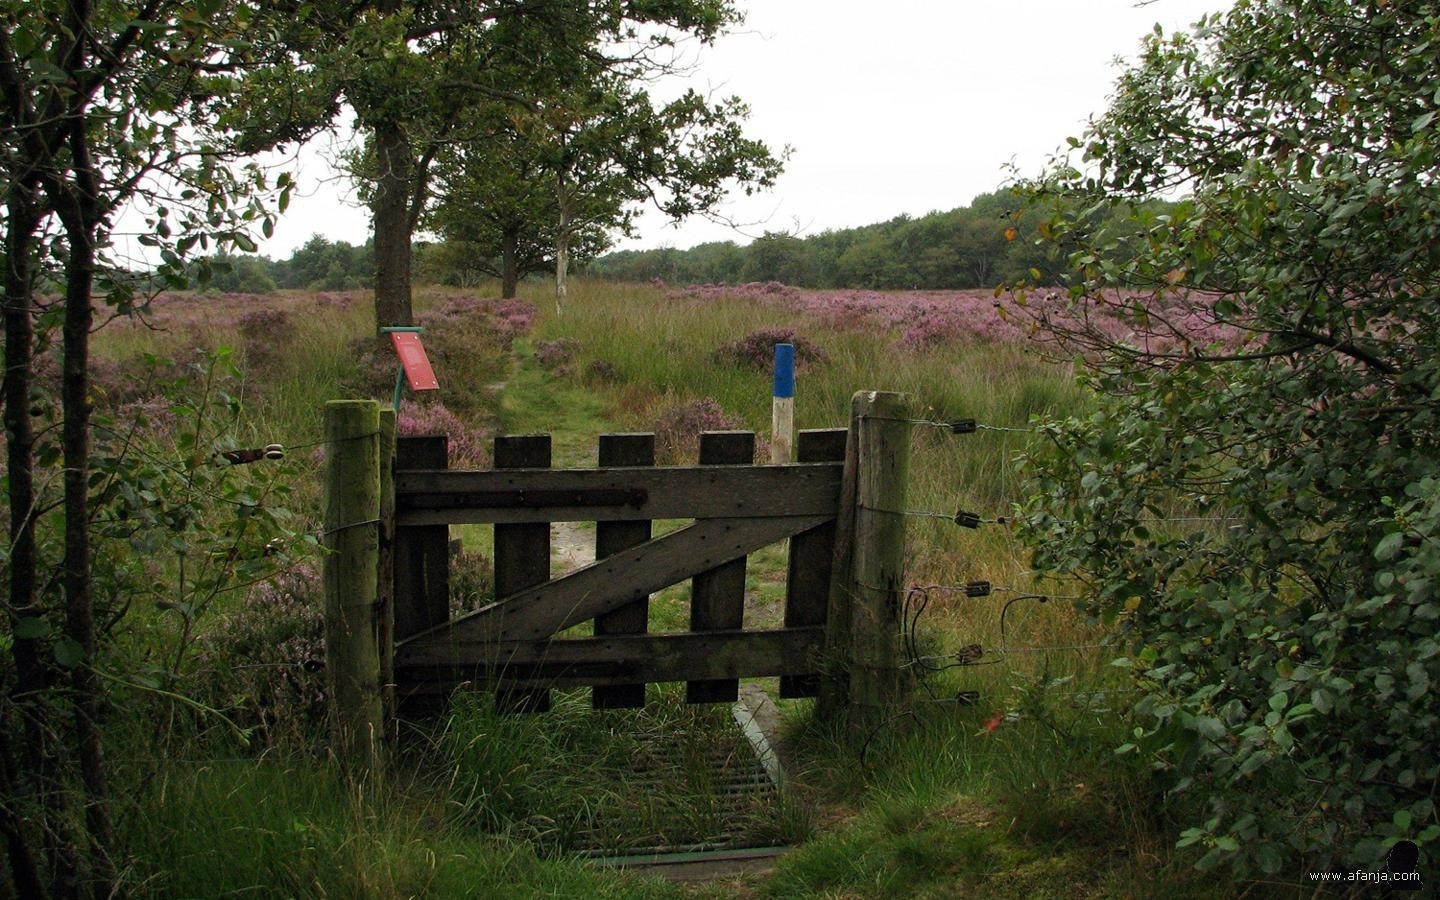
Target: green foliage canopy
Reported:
point(1279, 382)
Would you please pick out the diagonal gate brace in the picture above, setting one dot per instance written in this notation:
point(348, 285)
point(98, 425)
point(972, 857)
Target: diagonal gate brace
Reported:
point(614, 581)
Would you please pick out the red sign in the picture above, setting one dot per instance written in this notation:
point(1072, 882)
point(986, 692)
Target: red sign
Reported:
point(418, 373)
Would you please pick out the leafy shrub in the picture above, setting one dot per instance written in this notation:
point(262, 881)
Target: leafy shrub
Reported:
point(468, 340)
point(1285, 636)
point(469, 446)
point(557, 353)
point(472, 580)
point(602, 371)
point(265, 332)
point(335, 300)
point(756, 350)
point(677, 429)
point(263, 661)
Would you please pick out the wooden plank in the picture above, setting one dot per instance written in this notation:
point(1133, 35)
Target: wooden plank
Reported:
point(710, 865)
point(522, 552)
point(807, 585)
point(610, 583)
point(437, 664)
point(611, 538)
point(422, 552)
point(616, 494)
point(717, 596)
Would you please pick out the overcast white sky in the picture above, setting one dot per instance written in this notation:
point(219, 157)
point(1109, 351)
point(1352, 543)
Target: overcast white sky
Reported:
point(891, 106)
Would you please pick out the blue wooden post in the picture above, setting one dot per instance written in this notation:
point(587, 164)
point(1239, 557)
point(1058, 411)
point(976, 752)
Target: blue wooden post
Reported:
point(782, 412)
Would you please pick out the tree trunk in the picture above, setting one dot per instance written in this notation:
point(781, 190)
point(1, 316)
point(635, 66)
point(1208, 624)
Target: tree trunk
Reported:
point(392, 222)
point(509, 263)
point(30, 674)
point(562, 250)
point(20, 448)
point(79, 210)
point(24, 879)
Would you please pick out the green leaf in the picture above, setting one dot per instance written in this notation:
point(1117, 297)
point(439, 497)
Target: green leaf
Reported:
point(30, 628)
point(69, 653)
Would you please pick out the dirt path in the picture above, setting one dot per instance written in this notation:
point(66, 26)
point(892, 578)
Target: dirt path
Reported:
point(571, 546)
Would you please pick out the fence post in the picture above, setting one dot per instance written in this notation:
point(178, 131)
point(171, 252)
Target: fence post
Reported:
point(877, 575)
point(385, 586)
point(782, 405)
point(352, 565)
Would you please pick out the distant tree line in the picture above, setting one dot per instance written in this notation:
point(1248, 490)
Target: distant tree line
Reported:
point(319, 264)
point(994, 240)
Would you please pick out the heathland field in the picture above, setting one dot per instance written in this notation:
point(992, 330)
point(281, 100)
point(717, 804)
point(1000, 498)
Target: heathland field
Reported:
point(999, 780)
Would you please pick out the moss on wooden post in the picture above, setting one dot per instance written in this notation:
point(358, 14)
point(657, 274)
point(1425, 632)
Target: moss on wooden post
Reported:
point(385, 583)
point(834, 688)
point(352, 566)
point(878, 686)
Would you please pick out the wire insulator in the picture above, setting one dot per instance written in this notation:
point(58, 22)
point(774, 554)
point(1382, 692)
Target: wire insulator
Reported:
point(274, 451)
point(964, 426)
point(967, 519)
point(977, 589)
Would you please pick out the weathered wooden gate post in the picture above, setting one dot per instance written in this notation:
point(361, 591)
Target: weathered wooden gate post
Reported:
point(352, 566)
point(385, 587)
point(863, 633)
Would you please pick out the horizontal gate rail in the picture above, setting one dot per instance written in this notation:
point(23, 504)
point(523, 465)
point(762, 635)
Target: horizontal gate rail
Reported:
point(439, 666)
point(449, 497)
point(616, 580)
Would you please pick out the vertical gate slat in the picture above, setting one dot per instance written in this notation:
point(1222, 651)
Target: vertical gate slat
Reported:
point(610, 538)
point(522, 552)
point(422, 552)
point(807, 585)
point(717, 596)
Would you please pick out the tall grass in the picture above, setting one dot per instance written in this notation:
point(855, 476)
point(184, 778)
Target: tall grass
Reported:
point(604, 781)
point(277, 827)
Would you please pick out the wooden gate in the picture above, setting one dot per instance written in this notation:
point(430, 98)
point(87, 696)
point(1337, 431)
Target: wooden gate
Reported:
point(517, 643)
point(390, 640)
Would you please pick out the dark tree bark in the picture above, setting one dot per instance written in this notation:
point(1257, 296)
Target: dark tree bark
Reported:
point(78, 205)
point(509, 263)
point(392, 222)
point(21, 874)
point(22, 221)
